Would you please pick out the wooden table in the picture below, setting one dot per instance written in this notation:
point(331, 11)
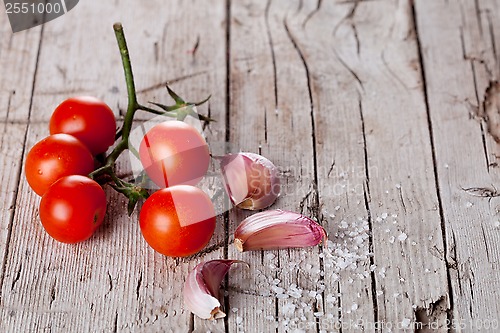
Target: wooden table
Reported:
point(382, 116)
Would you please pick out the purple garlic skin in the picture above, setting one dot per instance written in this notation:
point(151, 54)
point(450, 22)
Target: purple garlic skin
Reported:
point(201, 289)
point(251, 180)
point(278, 229)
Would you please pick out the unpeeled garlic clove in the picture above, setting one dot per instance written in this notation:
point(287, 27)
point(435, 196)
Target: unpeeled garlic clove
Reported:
point(251, 180)
point(201, 288)
point(277, 229)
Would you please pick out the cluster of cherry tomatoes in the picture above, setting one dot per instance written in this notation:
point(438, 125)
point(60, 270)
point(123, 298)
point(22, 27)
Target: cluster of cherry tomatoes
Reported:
point(177, 220)
point(73, 205)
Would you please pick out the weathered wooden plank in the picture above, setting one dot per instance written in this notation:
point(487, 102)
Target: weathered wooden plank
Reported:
point(270, 113)
point(18, 60)
point(11, 150)
point(371, 126)
point(348, 303)
point(458, 43)
point(113, 281)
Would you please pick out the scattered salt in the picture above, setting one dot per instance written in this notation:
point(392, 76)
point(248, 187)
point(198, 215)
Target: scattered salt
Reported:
point(277, 290)
point(384, 215)
point(239, 320)
point(392, 239)
point(402, 237)
point(337, 208)
point(398, 185)
point(354, 307)
point(468, 204)
point(270, 256)
point(331, 299)
point(234, 310)
point(405, 323)
point(380, 292)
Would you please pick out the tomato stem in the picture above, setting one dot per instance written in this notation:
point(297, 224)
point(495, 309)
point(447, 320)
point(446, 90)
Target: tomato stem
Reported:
point(180, 110)
point(132, 107)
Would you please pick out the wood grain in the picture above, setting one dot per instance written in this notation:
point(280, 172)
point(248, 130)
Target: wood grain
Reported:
point(458, 43)
point(381, 115)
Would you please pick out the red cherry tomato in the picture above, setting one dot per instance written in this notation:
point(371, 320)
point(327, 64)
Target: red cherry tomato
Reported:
point(178, 221)
point(174, 153)
point(88, 119)
point(72, 209)
point(54, 157)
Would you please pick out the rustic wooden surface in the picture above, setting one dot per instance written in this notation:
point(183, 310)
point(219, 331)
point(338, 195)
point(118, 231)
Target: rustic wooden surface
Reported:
point(382, 115)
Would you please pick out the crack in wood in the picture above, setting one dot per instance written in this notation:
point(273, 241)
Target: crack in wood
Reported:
point(273, 55)
point(423, 76)
point(138, 288)
point(349, 69)
point(311, 14)
point(491, 110)
point(171, 81)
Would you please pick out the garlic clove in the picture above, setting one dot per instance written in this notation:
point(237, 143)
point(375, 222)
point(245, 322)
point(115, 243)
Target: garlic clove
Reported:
point(201, 288)
point(277, 229)
point(251, 180)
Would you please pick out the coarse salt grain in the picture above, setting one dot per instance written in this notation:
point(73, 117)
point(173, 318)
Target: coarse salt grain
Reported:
point(405, 323)
point(270, 256)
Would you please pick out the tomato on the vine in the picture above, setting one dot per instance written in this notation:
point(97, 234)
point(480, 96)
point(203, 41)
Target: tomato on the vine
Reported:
point(73, 208)
point(54, 157)
point(178, 221)
point(174, 153)
point(88, 119)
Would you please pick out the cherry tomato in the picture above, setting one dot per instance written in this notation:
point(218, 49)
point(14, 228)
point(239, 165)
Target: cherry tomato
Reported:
point(54, 157)
point(73, 208)
point(174, 153)
point(88, 119)
point(178, 221)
